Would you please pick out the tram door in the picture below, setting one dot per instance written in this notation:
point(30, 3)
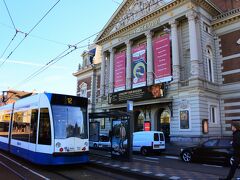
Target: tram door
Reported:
point(33, 130)
point(44, 132)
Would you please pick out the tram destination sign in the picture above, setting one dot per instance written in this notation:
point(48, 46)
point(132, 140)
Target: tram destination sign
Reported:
point(138, 94)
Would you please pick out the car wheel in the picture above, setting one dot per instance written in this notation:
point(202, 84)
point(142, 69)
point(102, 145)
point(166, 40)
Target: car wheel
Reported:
point(186, 156)
point(95, 145)
point(144, 151)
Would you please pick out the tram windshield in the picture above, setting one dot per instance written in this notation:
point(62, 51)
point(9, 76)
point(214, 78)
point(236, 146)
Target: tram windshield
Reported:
point(69, 121)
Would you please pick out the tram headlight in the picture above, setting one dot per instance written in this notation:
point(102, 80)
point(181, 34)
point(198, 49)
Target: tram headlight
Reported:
point(58, 144)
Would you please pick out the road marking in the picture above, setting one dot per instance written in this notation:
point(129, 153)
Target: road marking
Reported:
point(152, 158)
point(115, 165)
point(124, 167)
point(144, 160)
point(135, 170)
point(212, 165)
point(160, 175)
point(99, 162)
point(106, 164)
point(147, 172)
point(174, 177)
point(12, 170)
point(171, 157)
point(34, 172)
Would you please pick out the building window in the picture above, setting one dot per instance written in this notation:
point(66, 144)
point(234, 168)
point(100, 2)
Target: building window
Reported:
point(83, 89)
point(213, 114)
point(210, 65)
point(206, 28)
point(102, 123)
point(184, 119)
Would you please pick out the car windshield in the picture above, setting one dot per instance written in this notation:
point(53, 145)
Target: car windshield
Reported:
point(69, 121)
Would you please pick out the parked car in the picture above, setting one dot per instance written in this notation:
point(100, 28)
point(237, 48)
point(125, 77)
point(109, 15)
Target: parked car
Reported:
point(104, 142)
point(148, 141)
point(212, 150)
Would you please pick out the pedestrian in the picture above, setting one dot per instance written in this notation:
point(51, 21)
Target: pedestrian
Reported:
point(236, 150)
point(122, 136)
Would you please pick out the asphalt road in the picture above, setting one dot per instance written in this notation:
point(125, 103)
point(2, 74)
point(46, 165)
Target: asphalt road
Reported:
point(12, 167)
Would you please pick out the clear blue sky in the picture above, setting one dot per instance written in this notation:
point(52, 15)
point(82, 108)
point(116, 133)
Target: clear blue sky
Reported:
point(69, 22)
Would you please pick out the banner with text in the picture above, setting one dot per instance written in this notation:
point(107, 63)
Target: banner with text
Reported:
point(139, 66)
point(162, 59)
point(120, 71)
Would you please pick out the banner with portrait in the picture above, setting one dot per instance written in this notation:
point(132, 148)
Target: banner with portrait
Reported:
point(120, 138)
point(162, 59)
point(139, 66)
point(120, 71)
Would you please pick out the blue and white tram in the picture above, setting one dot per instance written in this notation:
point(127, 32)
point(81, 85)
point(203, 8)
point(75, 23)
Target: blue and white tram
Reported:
point(46, 129)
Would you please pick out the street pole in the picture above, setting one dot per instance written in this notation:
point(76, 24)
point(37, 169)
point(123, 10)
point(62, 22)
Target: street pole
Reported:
point(130, 114)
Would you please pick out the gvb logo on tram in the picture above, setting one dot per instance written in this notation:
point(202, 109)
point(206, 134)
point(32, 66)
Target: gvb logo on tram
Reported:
point(46, 129)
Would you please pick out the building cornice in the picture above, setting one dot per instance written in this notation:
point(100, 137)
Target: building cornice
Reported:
point(87, 69)
point(84, 70)
point(226, 19)
point(164, 9)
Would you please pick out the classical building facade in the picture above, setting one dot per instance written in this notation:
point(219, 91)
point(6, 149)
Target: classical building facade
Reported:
point(179, 61)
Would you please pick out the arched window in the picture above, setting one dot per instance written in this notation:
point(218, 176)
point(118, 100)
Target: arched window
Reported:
point(140, 121)
point(83, 89)
point(210, 64)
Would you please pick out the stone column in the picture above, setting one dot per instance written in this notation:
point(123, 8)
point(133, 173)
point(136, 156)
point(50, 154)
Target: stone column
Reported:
point(175, 51)
point(111, 74)
point(129, 66)
point(149, 58)
point(103, 69)
point(194, 56)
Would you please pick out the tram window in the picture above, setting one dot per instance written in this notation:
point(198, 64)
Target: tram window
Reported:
point(44, 136)
point(69, 122)
point(33, 132)
point(21, 125)
point(4, 124)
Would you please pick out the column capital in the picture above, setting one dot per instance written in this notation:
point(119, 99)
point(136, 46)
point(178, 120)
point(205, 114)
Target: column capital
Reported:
point(191, 15)
point(112, 50)
point(128, 42)
point(149, 34)
point(173, 23)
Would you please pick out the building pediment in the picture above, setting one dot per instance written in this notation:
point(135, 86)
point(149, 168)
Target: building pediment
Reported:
point(130, 12)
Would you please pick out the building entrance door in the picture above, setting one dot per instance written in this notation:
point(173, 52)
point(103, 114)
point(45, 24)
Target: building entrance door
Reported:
point(164, 123)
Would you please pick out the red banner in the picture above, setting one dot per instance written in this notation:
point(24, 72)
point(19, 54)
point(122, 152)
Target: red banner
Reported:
point(162, 59)
point(119, 71)
point(139, 66)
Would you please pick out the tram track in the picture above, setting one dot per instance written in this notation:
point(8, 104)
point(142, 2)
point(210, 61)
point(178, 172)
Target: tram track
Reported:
point(17, 168)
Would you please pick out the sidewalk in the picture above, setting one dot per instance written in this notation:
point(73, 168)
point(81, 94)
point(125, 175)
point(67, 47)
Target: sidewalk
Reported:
point(141, 170)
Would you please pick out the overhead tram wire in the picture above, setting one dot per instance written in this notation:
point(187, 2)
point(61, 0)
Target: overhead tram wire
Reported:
point(16, 31)
point(47, 65)
point(26, 35)
point(54, 60)
point(60, 56)
point(37, 37)
point(9, 15)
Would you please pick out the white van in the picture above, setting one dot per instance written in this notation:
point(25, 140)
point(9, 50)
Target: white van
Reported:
point(148, 141)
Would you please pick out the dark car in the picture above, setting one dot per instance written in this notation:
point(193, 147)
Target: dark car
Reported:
point(212, 150)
